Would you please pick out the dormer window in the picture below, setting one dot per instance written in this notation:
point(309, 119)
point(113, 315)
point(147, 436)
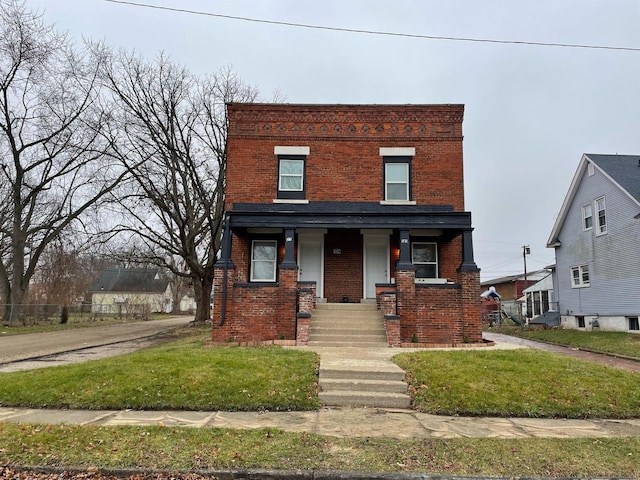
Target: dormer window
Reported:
point(291, 172)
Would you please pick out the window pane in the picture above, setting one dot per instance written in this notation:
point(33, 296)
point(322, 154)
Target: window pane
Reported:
point(397, 192)
point(588, 217)
point(262, 270)
point(291, 183)
point(291, 175)
point(424, 253)
point(426, 271)
point(602, 216)
point(263, 260)
point(264, 251)
point(291, 167)
point(576, 276)
point(585, 275)
point(397, 172)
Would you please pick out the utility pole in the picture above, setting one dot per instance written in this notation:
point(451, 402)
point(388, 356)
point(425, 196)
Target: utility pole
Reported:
point(525, 251)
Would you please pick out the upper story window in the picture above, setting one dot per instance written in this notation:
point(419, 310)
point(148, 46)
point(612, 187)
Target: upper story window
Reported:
point(396, 179)
point(587, 217)
point(601, 218)
point(291, 172)
point(397, 173)
point(424, 256)
point(591, 169)
point(580, 276)
point(263, 260)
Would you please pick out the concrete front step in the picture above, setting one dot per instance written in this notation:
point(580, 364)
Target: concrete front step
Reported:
point(371, 306)
point(347, 344)
point(350, 385)
point(392, 373)
point(352, 375)
point(347, 330)
point(365, 399)
point(332, 336)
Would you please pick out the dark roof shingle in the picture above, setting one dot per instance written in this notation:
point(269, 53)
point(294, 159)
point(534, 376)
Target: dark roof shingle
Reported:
point(623, 169)
point(130, 280)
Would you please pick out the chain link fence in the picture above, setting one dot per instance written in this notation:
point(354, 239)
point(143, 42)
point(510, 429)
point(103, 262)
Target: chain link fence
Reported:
point(50, 314)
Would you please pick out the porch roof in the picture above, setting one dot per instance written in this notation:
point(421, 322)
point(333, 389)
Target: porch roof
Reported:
point(347, 215)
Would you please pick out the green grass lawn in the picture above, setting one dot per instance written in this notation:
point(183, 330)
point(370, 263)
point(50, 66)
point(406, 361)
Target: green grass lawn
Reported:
point(186, 374)
point(621, 343)
point(183, 375)
point(520, 383)
point(188, 449)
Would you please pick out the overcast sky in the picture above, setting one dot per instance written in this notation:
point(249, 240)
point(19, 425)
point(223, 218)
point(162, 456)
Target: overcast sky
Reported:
point(530, 111)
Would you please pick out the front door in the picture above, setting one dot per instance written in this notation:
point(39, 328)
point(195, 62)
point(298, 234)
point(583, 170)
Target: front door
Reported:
point(310, 264)
point(376, 263)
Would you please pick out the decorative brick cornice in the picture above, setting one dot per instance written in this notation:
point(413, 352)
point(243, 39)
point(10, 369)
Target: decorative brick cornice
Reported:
point(340, 121)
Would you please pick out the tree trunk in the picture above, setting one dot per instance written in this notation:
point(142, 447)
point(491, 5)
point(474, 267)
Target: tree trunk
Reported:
point(202, 287)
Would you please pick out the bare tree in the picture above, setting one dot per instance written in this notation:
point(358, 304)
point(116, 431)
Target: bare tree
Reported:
point(172, 137)
point(52, 161)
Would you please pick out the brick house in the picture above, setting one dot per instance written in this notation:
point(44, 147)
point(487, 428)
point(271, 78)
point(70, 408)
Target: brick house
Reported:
point(346, 203)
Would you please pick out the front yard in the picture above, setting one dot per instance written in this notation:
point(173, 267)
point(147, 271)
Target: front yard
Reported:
point(186, 374)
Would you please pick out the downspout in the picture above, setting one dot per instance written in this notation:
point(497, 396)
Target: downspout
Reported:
point(226, 245)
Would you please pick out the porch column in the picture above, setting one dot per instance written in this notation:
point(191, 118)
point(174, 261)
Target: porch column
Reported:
point(468, 263)
point(289, 260)
point(404, 262)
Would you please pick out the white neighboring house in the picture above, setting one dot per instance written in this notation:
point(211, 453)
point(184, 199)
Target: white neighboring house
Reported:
point(188, 303)
point(539, 304)
point(595, 237)
point(130, 292)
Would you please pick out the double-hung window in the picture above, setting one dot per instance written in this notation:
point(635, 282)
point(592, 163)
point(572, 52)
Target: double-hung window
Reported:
point(601, 216)
point(290, 177)
point(587, 217)
point(396, 179)
point(263, 260)
point(580, 276)
point(291, 172)
point(424, 256)
point(397, 173)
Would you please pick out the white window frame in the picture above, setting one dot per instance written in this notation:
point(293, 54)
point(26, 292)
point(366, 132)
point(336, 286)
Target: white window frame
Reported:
point(435, 246)
point(600, 220)
point(405, 182)
point(591, 169)
point(282, 176)
point(272, 261)
point(587, 217)
point(580, 276)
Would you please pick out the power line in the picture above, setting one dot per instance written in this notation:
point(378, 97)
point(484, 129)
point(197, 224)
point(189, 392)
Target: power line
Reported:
point(376, 32)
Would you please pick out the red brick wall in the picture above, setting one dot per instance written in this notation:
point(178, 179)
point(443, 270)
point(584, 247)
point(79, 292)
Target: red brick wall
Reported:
point(343, 271)
point(439, 315)
point(344, 163)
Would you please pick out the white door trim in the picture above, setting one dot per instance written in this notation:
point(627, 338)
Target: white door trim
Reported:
point(312, 238)
point(373, 239)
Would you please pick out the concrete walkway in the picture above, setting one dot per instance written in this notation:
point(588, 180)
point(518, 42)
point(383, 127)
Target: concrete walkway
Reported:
point(341, 422)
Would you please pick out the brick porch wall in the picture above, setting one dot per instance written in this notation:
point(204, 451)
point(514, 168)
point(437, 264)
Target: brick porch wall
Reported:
point(439, 314)
point(256, 312)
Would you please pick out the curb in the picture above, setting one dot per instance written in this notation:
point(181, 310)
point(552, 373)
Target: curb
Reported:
point(261, 474)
